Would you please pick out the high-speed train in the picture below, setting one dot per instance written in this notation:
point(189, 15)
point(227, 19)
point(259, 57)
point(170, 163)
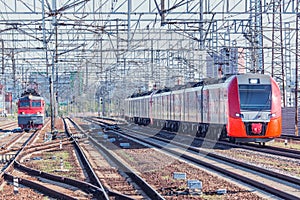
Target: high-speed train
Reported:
point(241, 108)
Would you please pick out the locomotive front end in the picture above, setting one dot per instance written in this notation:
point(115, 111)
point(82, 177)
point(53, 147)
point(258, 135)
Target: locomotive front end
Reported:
point(254, 108)
point(31, 112)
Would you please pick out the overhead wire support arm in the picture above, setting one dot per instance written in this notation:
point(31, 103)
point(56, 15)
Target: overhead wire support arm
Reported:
point(157, 7)
point(72, 5)
point(209, 26)
point(70, 50)
point(183, 2)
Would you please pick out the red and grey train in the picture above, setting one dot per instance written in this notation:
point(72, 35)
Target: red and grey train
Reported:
point(31, 110)
point(241, 108)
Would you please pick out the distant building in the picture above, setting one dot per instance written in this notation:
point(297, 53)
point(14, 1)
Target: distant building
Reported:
point(8, 102)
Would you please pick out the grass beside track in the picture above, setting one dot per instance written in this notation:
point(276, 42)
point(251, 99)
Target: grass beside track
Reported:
point(54, 162)
point(290, 144)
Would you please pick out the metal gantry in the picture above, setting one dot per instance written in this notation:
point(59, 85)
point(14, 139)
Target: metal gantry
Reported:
point(82, 45)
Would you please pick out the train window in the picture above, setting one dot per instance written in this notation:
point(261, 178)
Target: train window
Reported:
point(24, 104)
point(255, 97)
point(36, 104)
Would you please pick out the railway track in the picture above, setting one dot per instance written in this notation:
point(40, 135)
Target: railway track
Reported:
point(290, 137)
point(8, 139)
point(51, 184)
point(12, 144)
point(135, 179)
point(102, 193)
point(197, 142)
point(267, 149)
point(15, 172)
point(289, 153)
point(8, 125)
point(279, 187)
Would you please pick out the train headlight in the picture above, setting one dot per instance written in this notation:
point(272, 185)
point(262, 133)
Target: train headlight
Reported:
point(239, 115)
point(38, 113)
point(272, 115)
point(23, 113)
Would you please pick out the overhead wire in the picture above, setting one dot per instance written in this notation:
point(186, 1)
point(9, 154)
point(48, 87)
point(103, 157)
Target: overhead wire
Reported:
point(111, 35)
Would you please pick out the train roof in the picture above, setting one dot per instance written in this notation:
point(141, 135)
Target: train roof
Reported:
point(30, 97)
point(205, 81)
point(32, 92)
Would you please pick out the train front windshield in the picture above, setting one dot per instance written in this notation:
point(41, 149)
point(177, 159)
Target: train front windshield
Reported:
point(24, 104)
point(36, 104)
point(255, 97)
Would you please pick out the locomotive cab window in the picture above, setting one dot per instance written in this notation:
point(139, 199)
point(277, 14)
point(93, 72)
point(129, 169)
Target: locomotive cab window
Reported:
point(255, 97)
point(24, 104)
point(36, 104)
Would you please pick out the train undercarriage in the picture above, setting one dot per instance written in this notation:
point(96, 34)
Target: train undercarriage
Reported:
point(203, 130)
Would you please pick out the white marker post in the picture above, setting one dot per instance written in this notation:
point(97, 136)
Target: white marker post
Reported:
point(61, 164)
point(16, 185)
point(285, 143)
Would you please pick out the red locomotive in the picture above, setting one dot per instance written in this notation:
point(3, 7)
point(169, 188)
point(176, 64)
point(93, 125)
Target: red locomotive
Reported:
point(31, 110)
point(241, 108)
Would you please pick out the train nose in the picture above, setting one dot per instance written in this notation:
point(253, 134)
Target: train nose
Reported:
point(256, 128)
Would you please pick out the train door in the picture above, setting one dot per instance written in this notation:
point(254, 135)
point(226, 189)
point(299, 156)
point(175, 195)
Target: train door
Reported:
point(211, 106)
point(199, 104)
point(218, 103)
point(160, 107)
point(223, 105)
point(147, 107)
point(144, 107)
point(169, 107)
point(182, 104)
point(187, 106)
point(172, 107)
point(183, 110)
point(177, 107)
point(164, 107)
point(205, 106)
point(154, 107)
point(139, 107)
point(151, 108)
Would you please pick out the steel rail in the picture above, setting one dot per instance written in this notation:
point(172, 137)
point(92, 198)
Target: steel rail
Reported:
point(255, 183)
point(152, 193)
point(84, 186)
point(102, 194)
point(290, 153)
point(293, 137)
point(243, 164)
point(40, 187)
